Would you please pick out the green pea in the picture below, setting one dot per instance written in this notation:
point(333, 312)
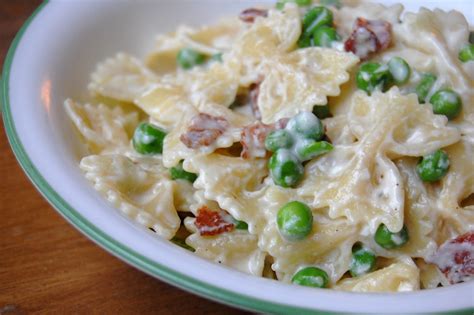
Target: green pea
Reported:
point(363, 261)
point(307, 125)
point(309, 149)
point(324, 35)
point(390, 240)
point(311, 277)
point(433, 167)
point(372, 76)
point(399, 69)
point(148, 139)
point(188, 58)
point(281, 4)
point(177, 172)
point(467, 53)
point(181, 243)
point(304, 42)
point(424, 86)
point(278, 139)
point(241, 225)
point(295, 221)
point(315, 18)
point(216, 57)
point(322, 112)
point(446, 102)
point(285, 168)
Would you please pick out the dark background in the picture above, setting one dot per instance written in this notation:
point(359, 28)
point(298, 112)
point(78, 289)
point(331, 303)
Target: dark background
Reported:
point(46, 266)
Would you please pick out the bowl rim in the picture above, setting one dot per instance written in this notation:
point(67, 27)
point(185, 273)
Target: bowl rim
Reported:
point(104, 240)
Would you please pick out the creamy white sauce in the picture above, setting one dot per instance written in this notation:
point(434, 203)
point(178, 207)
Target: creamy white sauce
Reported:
point(443, 163)
point(397, 239)
point(364, 46)
point(399, 73)
point(306, 120)
point(147, 139)
point(339, 46)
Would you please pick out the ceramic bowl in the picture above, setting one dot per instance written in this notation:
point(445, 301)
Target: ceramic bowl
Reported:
point(51, 59)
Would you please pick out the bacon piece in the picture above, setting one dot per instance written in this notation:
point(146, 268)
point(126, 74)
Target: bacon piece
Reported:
point(455, 258)
point(249, 15)
point(203, 130)
point(253, 140)
point(254, 135)
point(254, 90)
point(369, 37)
point(209, 222)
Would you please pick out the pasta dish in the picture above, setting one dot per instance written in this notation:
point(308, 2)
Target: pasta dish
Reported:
point(318, 143)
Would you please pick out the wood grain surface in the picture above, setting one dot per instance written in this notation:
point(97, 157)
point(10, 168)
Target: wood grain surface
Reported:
point(48, 267)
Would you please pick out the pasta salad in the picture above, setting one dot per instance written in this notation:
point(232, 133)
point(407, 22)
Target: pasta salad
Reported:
point(318, 143)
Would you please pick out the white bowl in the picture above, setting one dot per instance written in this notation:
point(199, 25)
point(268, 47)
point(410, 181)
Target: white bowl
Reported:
point(51, 59)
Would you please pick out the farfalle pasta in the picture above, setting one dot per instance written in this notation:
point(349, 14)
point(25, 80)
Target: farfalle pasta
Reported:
point(327, 145)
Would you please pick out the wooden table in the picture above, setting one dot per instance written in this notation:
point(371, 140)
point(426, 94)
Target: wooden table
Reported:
point(46, 266)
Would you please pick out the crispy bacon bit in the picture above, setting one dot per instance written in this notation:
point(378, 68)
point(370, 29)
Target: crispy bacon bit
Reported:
point(209, 222)
point(203, 131)
point(254, 90)
point(253, 138)
point(455, 258)
point(249, 15)
point(368, 37)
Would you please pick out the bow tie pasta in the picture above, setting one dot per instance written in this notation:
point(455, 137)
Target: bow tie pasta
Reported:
point(144, 195)
point(209, 40)
point(317, 145)
point(359, 181)
point(266, 36)
point(122, 78)
point(400, 276)
point(237, 249)
point(103, 128)
point(302, 79)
